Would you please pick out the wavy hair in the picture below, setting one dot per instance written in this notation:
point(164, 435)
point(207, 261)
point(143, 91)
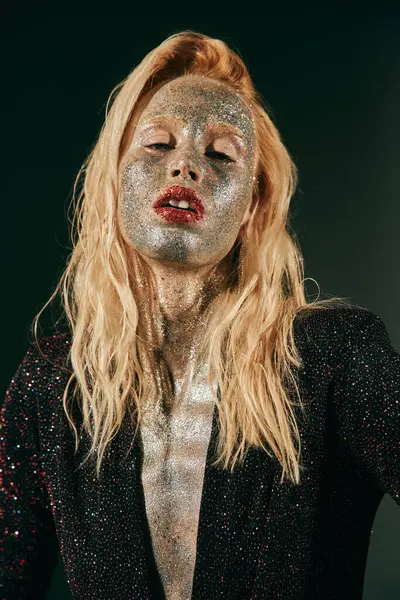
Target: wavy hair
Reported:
point(248, 340)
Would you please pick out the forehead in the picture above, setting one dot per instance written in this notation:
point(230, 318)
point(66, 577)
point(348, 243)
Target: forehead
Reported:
point(202, 101)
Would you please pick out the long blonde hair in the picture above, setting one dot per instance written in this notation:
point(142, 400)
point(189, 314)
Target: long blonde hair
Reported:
point(248, 341)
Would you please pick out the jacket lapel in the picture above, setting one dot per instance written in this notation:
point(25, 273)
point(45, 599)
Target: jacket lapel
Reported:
point(233, 513)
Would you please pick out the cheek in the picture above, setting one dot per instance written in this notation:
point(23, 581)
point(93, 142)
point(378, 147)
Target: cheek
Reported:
point(138, 181)
point(233, 192)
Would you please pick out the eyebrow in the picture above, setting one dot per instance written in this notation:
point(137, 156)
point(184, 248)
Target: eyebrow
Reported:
point(159, 119)
point(223, 127)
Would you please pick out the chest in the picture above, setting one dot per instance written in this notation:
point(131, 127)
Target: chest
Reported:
point(175, 445)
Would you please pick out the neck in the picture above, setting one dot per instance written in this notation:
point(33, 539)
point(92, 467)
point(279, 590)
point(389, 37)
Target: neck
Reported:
point(173, 322)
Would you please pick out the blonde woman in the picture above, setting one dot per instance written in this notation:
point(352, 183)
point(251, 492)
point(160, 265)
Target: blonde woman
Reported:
point(224, 437)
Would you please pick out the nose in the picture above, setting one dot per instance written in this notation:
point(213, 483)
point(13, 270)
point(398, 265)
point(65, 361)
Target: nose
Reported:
point(184, 167)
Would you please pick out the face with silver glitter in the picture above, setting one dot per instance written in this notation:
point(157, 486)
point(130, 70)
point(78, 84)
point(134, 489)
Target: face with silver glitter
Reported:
point(195, 132)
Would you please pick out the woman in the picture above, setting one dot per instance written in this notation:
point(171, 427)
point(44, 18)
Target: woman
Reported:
point(225, 438)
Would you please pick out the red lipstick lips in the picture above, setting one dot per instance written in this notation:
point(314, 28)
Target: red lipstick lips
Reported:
point(176, 214)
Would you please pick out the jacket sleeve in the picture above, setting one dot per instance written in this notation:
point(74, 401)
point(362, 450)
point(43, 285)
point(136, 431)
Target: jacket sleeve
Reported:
point(367, 400)
point(28, 542)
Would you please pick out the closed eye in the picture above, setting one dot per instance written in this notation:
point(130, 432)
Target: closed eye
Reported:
point(159, 146)
point(219, 155)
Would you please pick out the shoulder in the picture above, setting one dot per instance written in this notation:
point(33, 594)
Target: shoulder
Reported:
point(52, 349)
point(343, 317)
point(339, 327)
point(38, 373)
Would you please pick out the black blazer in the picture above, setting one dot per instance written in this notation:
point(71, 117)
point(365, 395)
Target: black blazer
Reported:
point(257, 539)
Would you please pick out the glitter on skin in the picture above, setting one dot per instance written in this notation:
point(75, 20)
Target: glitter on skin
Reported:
point(197, 119)
point(225, 187)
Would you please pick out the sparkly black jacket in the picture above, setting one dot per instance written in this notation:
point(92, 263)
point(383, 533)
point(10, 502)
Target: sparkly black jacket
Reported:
point(257, 539)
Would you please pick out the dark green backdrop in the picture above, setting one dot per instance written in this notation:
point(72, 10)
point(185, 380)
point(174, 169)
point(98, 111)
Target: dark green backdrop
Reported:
point(330, 76)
